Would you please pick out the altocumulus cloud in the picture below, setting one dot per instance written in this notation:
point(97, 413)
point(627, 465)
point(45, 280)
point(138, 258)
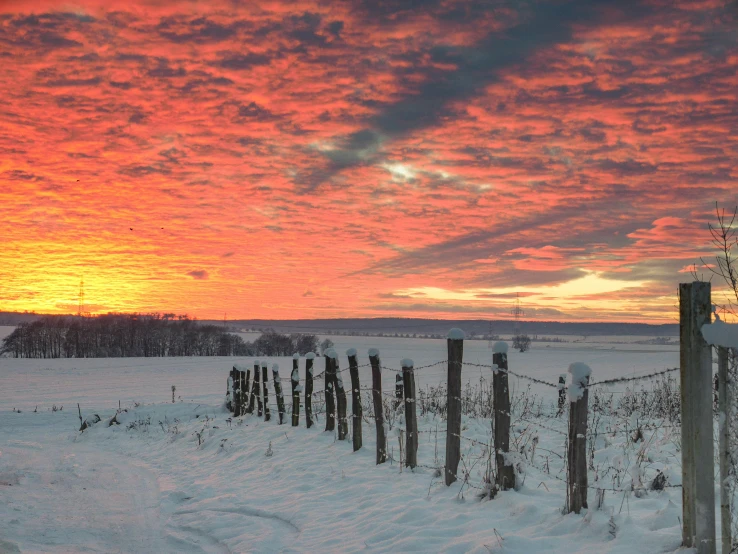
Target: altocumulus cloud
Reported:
point(198, 274)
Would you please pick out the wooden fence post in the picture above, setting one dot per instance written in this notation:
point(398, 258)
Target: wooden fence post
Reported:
point(455, 345)
point(724, 414)
point(378, 406)
point(256, 390)
point(309, 359)
point(341, 405)
point(245, 393)
point(698, 488)
point(295, 381)
point(411, 419)
point(236, 394)
point(242, 393)
point(230, 396)
point(501, 394)
point(578, 393)
point(267, 413)
point(329, 380)
point(562, 393)
point(356, 411)
point(399, 393)
point(278, 392)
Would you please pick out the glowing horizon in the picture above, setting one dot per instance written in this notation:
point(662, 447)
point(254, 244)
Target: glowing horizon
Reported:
point(363, 159)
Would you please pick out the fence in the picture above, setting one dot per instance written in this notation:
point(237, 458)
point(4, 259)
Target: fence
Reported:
point(516, 426)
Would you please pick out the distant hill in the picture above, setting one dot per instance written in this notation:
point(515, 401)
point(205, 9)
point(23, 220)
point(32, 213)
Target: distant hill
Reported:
point(479, 327)
point(392, 325)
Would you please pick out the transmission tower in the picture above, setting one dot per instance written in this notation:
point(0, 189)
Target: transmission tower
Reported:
point(517, 311)
point(81, 296)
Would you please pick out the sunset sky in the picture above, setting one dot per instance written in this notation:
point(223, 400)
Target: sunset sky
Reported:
point(412, 158)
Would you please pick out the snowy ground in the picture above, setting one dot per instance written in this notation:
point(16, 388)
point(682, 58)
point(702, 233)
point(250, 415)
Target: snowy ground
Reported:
point(147, 486)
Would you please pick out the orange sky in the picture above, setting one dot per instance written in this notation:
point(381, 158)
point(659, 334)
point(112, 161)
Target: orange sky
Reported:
point(363, 158)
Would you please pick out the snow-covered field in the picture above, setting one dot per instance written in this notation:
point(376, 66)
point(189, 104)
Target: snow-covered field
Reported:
point(146, 485)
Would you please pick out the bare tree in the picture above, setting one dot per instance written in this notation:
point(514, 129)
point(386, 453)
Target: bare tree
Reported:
point(725, 239)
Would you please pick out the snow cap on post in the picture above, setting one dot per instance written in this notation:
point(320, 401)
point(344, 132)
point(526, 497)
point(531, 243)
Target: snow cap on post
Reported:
point(500, 347)
point(295, 356)
point(456, 334)
point(310, 356)
point(256, 362)
point(406, 362)
point(351, 352)
point(721, 333)
point(275, 368)
point(373, 352)
point(331, 353)
point(579, 377)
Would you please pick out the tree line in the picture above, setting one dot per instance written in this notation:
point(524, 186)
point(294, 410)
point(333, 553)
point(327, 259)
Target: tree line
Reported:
point(142, 335)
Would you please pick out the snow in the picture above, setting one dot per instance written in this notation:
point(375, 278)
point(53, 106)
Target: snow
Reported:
point(580, 374)
point(500, 347)
point(256, 362)
point(310, 356)
point(372, 352)
point(720, 333)
point(456, 334)
point(275, 368)
point(146, 485)
point(406, 362)
point(295, 356)
point(331, 353)
point(351, 352)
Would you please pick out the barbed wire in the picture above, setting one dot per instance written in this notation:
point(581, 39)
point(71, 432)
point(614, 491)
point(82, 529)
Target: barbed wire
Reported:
point(638, 378)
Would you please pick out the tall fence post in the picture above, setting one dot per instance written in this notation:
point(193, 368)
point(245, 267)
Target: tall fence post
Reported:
point(278, 392)
point(309, 359)
point(341, 405)
point(455, 345)
point(245, 393)
point(256, 390)
point(230, 396)
point(242, 393)
point(356, 410)
point(378, 406)
point(329, 380)
point(724, 414)
point(236, 395)
point(501, 394)
point(578, 393)
point(562, 393)
point(399, 393)
point(267, 412)
point(411, 418)
point(295, 381)
point(698, 489)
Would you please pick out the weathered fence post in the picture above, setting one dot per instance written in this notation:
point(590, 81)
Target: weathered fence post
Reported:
point(411, 419)
point(578, 393)
point(329, 380)
point(267, 413)
point(378, 407)
point(724, 414)
point(242, 393)
point(278, 392)
point(309, 359)
point(245, 393)
point(341, 405)
point(230, 396)
point(501, 394)
point(235, 395)
point(562, 393)
point(455, 345)
point(295, 381)
point(256, 391)
point(356, 411)
point(698, 489)
point(399, 393)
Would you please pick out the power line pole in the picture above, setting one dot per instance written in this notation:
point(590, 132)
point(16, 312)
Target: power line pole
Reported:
point(81, 296)
point(517, 311)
